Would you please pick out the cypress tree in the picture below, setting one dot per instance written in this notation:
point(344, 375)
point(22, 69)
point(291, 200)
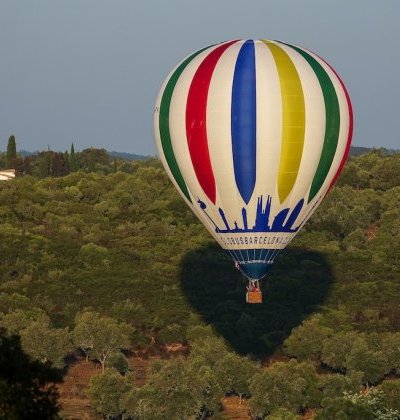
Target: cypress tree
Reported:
point(11, 151)
point(73, 161)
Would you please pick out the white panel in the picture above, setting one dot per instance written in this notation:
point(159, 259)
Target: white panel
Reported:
point(157, 137)
point(342, 140)
point(219, 134)
point(314, 129)
point(344, 125)
point(269, 126)
point(177, 144)
point(180, 146)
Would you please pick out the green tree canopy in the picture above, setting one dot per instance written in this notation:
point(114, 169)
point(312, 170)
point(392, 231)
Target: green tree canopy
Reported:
point(18, 320)
point(100, 336)
point(46, 344)
point(119, 362)
point(106, 392)
point(340, 408)
point(391, 393)
point(233, 373)
point(175, 389)
point(305, 342)
point(291, 385)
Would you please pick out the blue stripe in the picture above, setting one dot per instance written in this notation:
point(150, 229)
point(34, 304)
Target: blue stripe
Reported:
point(243, 120)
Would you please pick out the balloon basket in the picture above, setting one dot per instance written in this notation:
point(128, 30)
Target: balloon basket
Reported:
point(254, 297)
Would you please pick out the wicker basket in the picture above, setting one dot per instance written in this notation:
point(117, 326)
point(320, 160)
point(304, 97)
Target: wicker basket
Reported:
point(254, 297)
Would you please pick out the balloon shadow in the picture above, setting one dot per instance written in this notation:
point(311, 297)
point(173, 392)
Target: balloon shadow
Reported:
point(297, 285)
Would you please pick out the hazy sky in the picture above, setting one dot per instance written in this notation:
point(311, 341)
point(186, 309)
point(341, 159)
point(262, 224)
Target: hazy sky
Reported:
point(88, 71)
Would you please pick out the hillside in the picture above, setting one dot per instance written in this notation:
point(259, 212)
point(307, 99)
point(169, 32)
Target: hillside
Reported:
point(123, 244)
point(358, 151)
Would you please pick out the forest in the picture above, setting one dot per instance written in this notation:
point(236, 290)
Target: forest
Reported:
point(102, 260)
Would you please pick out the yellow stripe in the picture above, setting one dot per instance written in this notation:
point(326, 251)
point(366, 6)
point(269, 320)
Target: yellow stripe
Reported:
point(293, 120)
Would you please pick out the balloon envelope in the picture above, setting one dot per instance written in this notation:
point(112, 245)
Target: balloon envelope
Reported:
point(253, 134)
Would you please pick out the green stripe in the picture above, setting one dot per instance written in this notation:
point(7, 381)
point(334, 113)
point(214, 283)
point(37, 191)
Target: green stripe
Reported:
point(164, 124)
point(332, 127)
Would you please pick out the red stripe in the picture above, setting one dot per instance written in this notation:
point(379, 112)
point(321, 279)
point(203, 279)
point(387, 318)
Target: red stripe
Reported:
point(196, 130)
point(350, 133)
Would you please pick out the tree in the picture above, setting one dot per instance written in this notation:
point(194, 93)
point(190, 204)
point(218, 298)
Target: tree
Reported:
point(107, 390)
point(283, 414)
point(362, 358)
point(11, 152)
point(43, 164)
point(92, 158)
point(374, 401)
point(173, 333)
point(18, 320)
point(305, 341)
point(340, 408)
point(46, 344)
point(100, 336)
point(85, 332)
point(73, 161)
point(119, 362)
point(391, 391)
point(209, 349)
point(27, 388)
point(93, 255)
point(391, 350)
point(175, 390)
point(353, 351)
point(141, 403)
point(59, 166)
point(234, 374)
point(291, 385)
point(336, 349)
point(333, 386)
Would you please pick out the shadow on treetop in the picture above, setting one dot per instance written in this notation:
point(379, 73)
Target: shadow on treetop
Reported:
point(297, 285)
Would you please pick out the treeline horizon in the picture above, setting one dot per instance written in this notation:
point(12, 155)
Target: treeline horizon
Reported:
point(56, 164)
point(60, 163)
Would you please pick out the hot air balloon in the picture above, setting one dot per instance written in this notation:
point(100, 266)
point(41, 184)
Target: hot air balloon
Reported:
point(253, 134)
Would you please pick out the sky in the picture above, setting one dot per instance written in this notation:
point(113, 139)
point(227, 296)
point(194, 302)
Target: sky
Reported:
point(88, 71)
